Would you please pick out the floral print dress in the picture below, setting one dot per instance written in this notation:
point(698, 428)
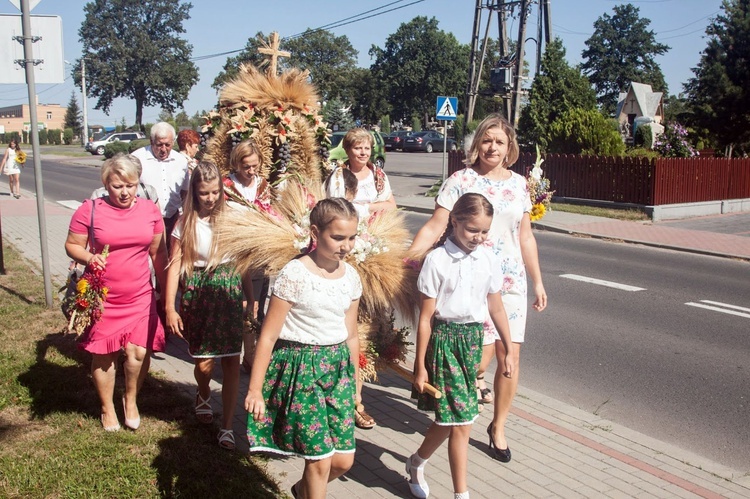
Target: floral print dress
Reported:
point(510, 200)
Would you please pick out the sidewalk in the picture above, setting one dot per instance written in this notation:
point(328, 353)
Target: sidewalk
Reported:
point(558, 450)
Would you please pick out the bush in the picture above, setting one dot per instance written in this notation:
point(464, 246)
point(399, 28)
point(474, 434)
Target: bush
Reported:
point(137, 144)
point(385, 124)
point(643, 137)
point(43, 137)
point(115, 148)
point(673, 144)
point(416, 124)
point(68, 135)
point(584, 131)
point(54, 136)
point(640, 152)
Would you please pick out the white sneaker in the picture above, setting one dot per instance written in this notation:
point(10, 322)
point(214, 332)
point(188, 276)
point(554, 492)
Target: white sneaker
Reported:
point(417, 484)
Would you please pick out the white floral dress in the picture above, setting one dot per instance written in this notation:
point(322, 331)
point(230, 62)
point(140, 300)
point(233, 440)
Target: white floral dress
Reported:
point(510, 200)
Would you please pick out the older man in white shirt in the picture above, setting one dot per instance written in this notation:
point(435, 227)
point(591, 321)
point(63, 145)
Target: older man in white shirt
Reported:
point(166, 170)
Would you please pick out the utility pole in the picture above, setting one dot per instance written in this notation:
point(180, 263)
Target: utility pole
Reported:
point(506, 79)
point(29, 62)
point(85, 107)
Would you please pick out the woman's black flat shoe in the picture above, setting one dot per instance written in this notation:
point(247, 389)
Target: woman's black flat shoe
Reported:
point(502, 455)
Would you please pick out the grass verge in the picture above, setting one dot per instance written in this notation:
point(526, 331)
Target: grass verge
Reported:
point(619, 214)
point(51, 440)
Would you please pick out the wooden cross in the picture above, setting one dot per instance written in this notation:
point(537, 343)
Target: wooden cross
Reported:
point(272, 49)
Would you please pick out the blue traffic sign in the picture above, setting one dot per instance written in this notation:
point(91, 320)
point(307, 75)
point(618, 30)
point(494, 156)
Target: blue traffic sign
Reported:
point(446, 108)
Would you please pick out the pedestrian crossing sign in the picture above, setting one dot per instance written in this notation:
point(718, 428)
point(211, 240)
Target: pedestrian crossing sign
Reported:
point(446, 108)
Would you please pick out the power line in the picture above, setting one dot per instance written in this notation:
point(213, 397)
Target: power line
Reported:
point(336, 24)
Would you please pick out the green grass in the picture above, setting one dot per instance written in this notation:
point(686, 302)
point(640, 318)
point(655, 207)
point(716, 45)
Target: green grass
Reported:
point(620, 214)
point(52, 443)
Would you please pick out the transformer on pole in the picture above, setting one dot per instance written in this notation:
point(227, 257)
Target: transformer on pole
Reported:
point(506, 77)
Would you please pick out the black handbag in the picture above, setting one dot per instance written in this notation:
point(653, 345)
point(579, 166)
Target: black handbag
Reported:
point(69, 291)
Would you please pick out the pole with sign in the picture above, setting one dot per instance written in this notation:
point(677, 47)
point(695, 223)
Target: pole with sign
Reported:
point(446, 111)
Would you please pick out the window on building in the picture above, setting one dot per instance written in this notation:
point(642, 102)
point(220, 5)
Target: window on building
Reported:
point(49, 115)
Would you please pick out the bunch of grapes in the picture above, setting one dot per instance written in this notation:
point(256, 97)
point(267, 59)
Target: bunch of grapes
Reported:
point(236, 139)
point(284, 156)
point(323, 152)
point(204, 139)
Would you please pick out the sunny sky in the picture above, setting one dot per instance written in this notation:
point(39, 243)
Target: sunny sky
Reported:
point(220, 26)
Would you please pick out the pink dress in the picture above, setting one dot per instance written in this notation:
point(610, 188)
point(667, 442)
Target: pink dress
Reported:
point(130, 314)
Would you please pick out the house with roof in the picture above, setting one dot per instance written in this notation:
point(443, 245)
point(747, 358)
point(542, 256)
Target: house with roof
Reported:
point(639, 105)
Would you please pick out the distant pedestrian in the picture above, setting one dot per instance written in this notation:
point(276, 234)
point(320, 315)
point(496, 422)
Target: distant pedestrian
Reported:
point(492, 152)
point(210, 316)
point(166, 170)
point(301, 397)
point(12, 167)
point(460, 284)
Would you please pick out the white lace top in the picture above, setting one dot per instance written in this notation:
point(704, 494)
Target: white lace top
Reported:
point(318, 304)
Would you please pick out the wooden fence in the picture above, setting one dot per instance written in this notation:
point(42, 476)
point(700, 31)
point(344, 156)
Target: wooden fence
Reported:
point(638, 180)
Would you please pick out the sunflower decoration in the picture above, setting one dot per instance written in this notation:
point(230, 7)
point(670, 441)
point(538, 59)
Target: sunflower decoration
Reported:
point(21, 157)
point(539, 189)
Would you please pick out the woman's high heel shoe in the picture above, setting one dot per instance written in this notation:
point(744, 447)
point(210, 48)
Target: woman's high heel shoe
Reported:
point(502, 455)
point(132, 424)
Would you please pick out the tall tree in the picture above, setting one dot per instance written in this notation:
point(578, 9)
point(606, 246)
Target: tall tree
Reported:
point(73, 114)
point(330, 60)
point(718, 94)
point(556, 89)
point(418, 63)
point(133, 50)
point(370, 100)
point(248, 55)
point(621, 50)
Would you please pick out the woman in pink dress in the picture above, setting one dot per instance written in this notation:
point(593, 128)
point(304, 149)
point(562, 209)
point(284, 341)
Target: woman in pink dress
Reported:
point(133, 230)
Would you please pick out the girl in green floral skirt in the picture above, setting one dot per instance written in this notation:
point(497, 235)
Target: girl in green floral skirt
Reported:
point(210, 317)
point(301, 396)
point(460, 281)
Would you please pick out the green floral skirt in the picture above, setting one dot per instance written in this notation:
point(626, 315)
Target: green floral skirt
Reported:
point(211, 311)
point(310, 400)
point(452, 361)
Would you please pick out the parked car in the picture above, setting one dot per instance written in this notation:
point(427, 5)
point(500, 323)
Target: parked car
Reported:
point(97, 146)
point(377, 156)
point(427, 141)
point(395, 140)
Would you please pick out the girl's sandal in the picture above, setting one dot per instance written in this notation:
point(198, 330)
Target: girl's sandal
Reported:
point(363, 420)
point(226, 439)
point(203, 412)
point(483, 394)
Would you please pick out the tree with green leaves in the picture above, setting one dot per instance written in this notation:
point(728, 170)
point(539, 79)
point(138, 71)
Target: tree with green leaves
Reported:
point(621, 50)
point(585, 131)
point(370, 100)
point(248, 55)
point(330, 60)
point(418, 63)
point(556, 89)
point(73, 115)
point(133, 50)
point(718, 95)
point(337, 116)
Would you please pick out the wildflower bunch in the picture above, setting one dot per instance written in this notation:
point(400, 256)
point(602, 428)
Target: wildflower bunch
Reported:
point(673, 143)
point(539, 189)
point(87, 306)
point(367, 244)
point(382, 345)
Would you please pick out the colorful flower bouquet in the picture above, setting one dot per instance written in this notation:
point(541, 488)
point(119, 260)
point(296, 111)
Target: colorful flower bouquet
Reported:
point(21, 157)
point(539, 190)
point(87, 305)
point(382, 344)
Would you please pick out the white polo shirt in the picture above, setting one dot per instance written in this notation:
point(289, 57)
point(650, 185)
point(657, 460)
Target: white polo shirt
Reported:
point(168, 177)
point(460, 281)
